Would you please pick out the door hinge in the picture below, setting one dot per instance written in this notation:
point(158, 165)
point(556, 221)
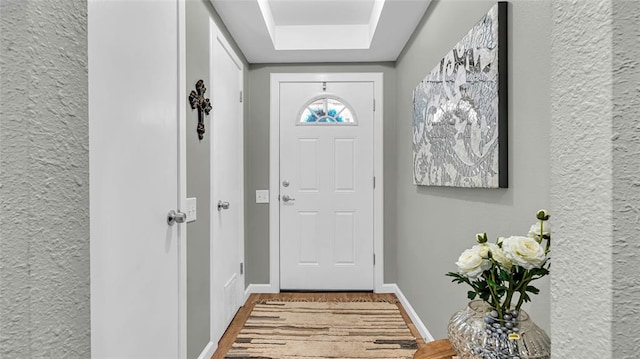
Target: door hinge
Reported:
point(241, 268)
point(374, 182)
point(240, 96)
point(374, 259)
point(374, 105)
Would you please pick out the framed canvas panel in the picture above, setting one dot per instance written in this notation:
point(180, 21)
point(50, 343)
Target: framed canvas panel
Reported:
point(460, 111)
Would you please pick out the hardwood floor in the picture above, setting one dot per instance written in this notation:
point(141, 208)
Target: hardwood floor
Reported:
point(241, 317)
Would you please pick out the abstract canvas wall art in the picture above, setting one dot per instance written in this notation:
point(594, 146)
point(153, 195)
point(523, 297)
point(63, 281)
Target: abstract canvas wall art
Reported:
point(460, 111)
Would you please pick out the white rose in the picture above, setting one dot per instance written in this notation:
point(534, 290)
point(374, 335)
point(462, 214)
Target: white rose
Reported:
point(498, 255)
point(534, 231)
point(471, 263)
point(523, 251)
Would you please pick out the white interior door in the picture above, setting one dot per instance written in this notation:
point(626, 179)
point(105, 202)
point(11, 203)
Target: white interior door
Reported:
point(227, 224)
point(134, 120)
point(326, 185)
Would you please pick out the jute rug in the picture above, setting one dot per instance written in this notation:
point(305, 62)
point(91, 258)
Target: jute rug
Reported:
point(279, 329)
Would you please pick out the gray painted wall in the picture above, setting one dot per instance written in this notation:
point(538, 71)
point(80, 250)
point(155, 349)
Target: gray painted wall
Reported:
point(198, 15)
point(257, 162)
point(198, 183)
point(44, 269)
point(44, 180)
point(434, 225)
point(626, 185)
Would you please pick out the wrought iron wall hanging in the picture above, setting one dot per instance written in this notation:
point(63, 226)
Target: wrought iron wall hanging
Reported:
point(197, 100)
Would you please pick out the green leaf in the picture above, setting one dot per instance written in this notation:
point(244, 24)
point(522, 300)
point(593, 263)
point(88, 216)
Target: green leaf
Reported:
point(533, 289)
point(471, 295)
point(453, 274)
point(539, 272)
point(504, 275)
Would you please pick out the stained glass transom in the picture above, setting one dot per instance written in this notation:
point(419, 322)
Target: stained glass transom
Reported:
point(326, 110)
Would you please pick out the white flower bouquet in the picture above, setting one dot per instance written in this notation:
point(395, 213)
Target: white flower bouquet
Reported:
point(498, 271)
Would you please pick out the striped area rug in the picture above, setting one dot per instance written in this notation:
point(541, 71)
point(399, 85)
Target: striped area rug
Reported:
point(277, 329)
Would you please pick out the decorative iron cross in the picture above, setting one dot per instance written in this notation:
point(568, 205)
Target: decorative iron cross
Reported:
point(197, 100)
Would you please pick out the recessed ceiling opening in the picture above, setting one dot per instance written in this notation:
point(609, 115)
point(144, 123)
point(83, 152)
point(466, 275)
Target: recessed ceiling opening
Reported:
point(321, 24)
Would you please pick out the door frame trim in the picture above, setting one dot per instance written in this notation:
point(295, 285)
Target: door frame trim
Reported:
point(274, 168)
point(182, 178)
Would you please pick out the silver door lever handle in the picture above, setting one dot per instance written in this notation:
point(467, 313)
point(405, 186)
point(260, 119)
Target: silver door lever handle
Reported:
point(286, 198)
point(223, 205)
point(176, 217)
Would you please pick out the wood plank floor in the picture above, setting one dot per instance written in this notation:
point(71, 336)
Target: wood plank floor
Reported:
point(230, 335)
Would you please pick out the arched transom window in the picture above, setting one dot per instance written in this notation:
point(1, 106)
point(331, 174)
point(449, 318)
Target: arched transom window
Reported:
point(326, 110)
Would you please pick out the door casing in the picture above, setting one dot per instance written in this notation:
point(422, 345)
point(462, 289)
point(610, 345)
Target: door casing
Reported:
point(274, 169)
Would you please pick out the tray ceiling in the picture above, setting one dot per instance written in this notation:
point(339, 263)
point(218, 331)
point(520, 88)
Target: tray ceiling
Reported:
point(285, 31)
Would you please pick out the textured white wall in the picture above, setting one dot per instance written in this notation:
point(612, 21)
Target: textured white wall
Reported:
point(44, 180)
point(626, 181)
point(581, 179)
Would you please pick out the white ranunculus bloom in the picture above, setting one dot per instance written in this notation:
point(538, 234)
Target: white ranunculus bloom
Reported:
point(471, 263)
point(534, 231)
point(496, 252)
point(482, 249)
point(524, 251)
point(498, 255)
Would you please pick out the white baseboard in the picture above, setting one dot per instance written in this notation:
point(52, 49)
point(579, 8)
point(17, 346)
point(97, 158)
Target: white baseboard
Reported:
point(258, 288)
point(208, 351)
point(422, 329)
point(388, 288)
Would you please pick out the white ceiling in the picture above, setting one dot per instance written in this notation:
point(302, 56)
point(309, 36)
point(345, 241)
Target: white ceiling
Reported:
point(285, 31)
point(300, 12)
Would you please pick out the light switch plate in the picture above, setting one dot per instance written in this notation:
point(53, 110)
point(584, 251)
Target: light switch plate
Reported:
point(191, 209)
point(262, 196)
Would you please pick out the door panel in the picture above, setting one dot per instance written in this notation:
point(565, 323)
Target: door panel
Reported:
point(227, 224)
point(308, 164)
point(344, 237)
point(308, 237)
point(344, 164)
point(326, 227)
point(133, 129)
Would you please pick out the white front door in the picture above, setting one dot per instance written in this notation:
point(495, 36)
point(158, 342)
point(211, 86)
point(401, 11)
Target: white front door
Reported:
point(326, 185)
point(137, 258)
point(227, 199)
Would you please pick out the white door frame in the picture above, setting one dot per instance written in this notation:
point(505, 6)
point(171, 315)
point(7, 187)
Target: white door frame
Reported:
point(274, 168)
point(182, 177)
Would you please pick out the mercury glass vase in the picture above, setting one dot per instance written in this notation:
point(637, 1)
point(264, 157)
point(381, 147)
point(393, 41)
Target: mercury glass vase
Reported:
point(476, 333)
